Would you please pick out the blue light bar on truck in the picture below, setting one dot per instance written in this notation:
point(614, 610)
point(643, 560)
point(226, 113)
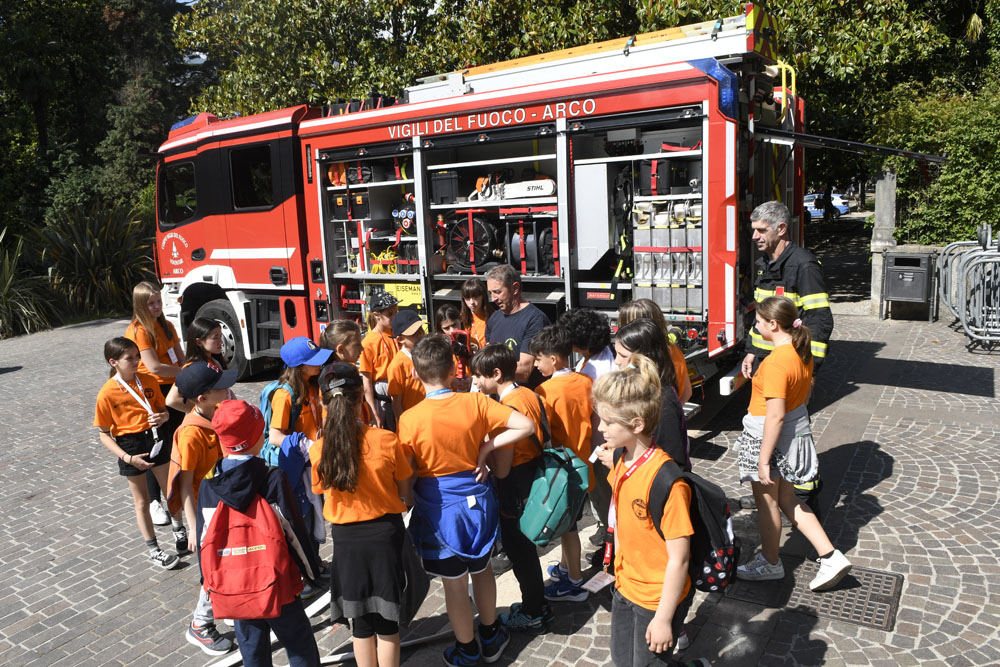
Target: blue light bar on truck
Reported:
point(728, 99)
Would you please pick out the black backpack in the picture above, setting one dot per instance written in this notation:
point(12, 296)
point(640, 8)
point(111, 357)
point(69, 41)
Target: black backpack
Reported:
point(715, 550)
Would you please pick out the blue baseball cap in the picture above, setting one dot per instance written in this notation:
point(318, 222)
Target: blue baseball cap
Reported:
point(300, 351)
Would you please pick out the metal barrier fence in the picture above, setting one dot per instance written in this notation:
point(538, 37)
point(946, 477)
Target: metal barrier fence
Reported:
point(969, 285)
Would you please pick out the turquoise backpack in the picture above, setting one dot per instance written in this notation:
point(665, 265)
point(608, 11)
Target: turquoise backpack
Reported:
point(558, 490)
point(269, 452)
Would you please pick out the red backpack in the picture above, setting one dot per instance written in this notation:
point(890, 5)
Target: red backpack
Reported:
point(248, 571)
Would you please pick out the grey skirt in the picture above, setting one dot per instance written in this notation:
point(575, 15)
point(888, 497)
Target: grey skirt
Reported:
point(794, 458)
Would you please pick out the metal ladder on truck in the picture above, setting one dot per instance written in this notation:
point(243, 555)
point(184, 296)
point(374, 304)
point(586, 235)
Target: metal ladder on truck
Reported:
point(735, 36)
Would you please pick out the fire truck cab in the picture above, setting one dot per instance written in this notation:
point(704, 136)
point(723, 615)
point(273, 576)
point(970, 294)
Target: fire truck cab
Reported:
point(604, 173)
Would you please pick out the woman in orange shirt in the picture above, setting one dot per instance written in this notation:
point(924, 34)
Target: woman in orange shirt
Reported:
point(776, 448)
point(363, 474)
point(378, 348)
point(476, 309)
point(160, 353)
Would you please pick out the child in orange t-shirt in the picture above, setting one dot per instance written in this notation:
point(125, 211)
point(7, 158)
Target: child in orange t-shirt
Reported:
point(303, 361)
point(196, 451)
point(378, 349)
point(652, 586)
point(476, 309)
point(449, 323)
point(363, 473)
point(403, 387)
point(567, 404)
point(776, 448)
point(454, 520)
point(514, 469)
point(129, 411)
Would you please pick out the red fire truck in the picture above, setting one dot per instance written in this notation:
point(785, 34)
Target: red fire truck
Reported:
point(613, 171)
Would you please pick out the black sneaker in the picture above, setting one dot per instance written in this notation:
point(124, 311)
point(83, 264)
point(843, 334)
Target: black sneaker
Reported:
point(164, 560)
point(492, 648)
point(207, 638)
point(454, 655)
point(600, 537)
point(181, 541)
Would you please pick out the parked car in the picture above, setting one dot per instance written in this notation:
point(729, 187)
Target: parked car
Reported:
point(812, 201)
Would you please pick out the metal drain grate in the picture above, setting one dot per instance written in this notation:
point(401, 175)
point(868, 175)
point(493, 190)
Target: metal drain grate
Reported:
point(865, 597)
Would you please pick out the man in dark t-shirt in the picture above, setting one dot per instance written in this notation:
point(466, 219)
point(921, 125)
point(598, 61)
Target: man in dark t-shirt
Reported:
point(515, 323)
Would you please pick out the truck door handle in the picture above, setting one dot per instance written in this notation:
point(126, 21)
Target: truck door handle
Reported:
point(198, 254)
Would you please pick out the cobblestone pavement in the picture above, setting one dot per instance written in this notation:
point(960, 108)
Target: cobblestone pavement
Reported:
point(903, 415)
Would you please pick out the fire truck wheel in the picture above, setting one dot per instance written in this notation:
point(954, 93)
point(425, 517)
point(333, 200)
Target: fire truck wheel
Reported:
point(232, 338)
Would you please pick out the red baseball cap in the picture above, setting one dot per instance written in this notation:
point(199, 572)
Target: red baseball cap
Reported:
point(239, 426)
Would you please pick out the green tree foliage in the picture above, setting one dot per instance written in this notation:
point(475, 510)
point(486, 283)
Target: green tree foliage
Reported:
point(944, 203)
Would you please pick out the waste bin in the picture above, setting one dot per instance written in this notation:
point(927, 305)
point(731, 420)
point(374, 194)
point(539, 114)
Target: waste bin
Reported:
point(908, 277)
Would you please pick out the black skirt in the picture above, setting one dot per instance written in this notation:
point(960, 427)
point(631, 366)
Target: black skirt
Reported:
point(367, 568)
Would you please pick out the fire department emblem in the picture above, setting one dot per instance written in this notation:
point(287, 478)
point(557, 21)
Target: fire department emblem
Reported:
point(176, 258)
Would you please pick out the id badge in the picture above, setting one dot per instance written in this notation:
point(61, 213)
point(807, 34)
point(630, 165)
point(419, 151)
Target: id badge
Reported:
point(599, 581)
point(172, 355)
point(157, 446)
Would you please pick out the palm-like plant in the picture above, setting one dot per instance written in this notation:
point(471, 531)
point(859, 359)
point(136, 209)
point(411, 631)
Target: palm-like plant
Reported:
point(26, 300)
point(96, 255)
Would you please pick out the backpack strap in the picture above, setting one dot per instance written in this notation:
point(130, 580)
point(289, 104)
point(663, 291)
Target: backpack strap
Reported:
point(546, 433)
point(668, 473)
point(296, 408)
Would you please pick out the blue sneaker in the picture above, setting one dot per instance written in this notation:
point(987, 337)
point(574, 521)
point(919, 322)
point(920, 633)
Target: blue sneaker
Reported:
point(556, 572)
point(518, 621)
point(455, 656)
point(564, 589)
point(492, 648)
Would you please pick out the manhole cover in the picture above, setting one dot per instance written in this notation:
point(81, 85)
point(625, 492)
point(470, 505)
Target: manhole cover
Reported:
point(865, 597)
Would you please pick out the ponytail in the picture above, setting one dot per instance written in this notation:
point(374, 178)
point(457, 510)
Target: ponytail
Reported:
point(782, 310)
point(630, 393)
point(340, 455)
point(802, 341)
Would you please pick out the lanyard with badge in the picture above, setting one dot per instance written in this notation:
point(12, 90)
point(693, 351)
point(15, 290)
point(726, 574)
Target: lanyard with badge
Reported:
point(141, 399)
point(602, 579)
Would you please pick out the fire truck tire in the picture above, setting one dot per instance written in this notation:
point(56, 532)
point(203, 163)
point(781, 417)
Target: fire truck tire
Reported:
point(232, 337)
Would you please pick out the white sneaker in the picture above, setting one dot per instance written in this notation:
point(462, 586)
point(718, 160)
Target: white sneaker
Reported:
point(158, 514)
point(758, 569)
point(831, 571)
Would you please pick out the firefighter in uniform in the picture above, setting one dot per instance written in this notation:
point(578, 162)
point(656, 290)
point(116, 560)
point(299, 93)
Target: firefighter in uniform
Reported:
point(785, 269)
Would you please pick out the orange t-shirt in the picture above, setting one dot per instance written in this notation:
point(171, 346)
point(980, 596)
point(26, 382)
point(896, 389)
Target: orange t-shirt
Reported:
point(478, 330)
point(401, 380)
point(781, 375)
point(641, 557)
point(383, 463)
point(196, 449)
point(377, 350)
point(137, 333)
point(118, 411)
point(445, 434)
point(525, 401)
point(567, 405)
point(310, 414)
point(680, 367)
